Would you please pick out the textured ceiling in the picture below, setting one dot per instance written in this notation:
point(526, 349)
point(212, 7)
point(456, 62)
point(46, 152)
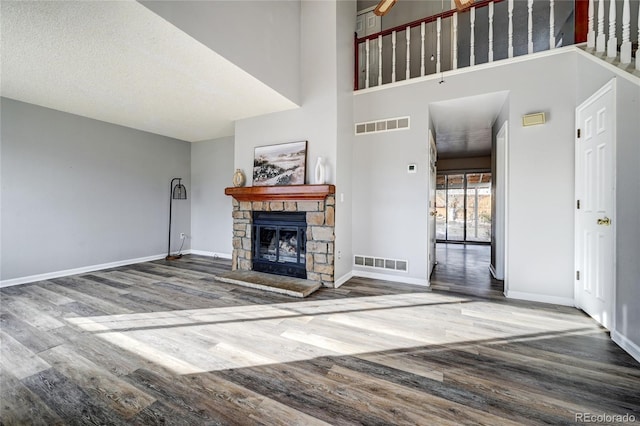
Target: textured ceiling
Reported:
point(118, 62)
point(463, 126)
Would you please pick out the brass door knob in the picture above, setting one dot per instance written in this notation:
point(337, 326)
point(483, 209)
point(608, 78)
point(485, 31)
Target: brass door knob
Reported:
point(605, 221)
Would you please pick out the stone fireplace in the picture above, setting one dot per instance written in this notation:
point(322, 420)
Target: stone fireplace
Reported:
point(315, 204)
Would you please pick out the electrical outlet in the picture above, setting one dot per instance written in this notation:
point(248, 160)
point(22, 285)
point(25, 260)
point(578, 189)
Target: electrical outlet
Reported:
point(182, 236)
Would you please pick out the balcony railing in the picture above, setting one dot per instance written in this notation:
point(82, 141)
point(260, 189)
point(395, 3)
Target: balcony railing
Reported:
point(491, 31)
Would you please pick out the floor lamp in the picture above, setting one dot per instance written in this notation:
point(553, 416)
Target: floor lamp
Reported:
point(177, 192)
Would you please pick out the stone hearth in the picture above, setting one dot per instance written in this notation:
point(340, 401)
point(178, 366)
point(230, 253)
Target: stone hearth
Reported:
point(317, 201)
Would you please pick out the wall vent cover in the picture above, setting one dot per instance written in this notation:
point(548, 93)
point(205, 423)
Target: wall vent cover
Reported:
point(386, 125)
point(381, 263)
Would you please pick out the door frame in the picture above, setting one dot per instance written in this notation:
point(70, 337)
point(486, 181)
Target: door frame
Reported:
point(501, 214)
point(432, 157)
point(610, 86)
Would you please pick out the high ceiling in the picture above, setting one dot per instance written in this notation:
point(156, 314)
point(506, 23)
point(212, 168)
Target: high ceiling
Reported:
point(118, 62)
point(463, 126)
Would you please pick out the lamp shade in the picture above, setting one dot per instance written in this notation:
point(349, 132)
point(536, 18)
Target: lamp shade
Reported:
point(179, 192)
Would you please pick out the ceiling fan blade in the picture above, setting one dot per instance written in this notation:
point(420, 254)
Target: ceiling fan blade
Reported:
point(383, 7)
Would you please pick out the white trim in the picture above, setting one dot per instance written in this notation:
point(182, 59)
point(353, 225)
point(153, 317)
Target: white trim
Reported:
point(76, 271)
point(618, 71)
point(343, 279)
point(492, 270)
point(533, 297)
point(211, 254)
point(523, 58)
point(626, 344)
point(406, 280)
point(502, 171)
point(465, 70)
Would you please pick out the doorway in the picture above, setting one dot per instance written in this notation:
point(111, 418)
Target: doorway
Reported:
point(471, 140)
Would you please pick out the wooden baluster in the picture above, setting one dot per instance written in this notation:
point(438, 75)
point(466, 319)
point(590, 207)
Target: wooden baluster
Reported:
point(366, 73)
point(455, 41)
point(472, 55)
point(379, 60)
point(511, 28)
point(422, 28)
point(491, 32)
point(638, 49)
point(552, 26)
point(439, 31)
point(625, 48)
point(591, 34)
point(393, 57)
point(408, 36)
point(612, 45)
point(530, 26)
point(600, 35)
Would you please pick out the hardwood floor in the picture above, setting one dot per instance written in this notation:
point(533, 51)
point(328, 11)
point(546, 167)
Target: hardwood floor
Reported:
point(464, 268)
point(164, 343)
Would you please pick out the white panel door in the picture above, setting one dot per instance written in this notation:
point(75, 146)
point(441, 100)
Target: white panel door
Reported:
point(368, 23)
point(595, 203)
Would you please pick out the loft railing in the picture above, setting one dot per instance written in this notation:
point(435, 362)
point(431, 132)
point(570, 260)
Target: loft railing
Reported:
point(452, 39)
point(596, 36)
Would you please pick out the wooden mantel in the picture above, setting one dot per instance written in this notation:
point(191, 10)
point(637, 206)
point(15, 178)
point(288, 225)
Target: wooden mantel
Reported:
point(281, 193)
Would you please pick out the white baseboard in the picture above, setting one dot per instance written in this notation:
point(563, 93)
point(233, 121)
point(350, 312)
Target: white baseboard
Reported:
point(211, 254)
point(494, 273)
point(533, 297)
point(76, 271)
point(394, 278)
point(343, 279)
point(627, 345)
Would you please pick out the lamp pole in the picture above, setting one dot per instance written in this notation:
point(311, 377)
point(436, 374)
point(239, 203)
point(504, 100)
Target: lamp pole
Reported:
point(169, 257)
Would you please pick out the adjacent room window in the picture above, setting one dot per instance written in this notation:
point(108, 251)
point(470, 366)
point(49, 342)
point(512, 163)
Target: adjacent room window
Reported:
point(463, 205)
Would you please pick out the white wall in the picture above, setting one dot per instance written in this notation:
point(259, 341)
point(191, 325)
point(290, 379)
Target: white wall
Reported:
point(261, 37)
point(346, 11)
point(325, 114)
point(78, 192)
point(316, 120)
point(541, 172)
point(211, 221)
point(591, 76)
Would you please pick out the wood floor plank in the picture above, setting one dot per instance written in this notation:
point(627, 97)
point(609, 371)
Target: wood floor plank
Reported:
point(69, 401)
point(165, 343)
point(20, 406)
point(18, 359)
point(32, 338)
point(118, 395)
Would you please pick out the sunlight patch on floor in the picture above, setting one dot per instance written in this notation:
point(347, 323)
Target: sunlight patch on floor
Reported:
point(200, 340)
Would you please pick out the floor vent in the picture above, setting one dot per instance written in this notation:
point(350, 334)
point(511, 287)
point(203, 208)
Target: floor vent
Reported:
point(387, 125)
point(380, 263)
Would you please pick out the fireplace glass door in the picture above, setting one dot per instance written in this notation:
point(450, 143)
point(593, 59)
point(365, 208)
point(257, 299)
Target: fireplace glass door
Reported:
point(279, 243)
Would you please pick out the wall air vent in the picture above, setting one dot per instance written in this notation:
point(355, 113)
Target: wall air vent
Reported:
point(381, 263)
point(386, 125)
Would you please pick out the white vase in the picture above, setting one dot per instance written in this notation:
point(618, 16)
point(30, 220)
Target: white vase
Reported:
point(320, 171)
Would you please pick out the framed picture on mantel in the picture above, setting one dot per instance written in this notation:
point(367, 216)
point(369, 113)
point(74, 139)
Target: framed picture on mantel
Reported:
point(282, 164)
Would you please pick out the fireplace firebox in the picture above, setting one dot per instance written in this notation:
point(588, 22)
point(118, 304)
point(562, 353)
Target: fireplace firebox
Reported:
point(279, 240)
